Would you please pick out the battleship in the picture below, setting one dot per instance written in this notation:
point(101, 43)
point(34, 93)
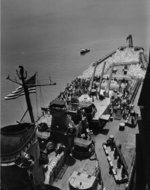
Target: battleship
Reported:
point(85, 138)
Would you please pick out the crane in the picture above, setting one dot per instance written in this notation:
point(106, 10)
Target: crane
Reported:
point(129, 39)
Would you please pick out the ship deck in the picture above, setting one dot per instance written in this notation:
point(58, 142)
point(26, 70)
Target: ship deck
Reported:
point(126, 138)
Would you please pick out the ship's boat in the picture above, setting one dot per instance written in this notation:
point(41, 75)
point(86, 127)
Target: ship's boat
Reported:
point(84, 51)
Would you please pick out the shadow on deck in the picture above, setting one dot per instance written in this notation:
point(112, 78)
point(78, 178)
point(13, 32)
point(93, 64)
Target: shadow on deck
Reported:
point(70, 161)
point(131, 126)
point(101, 131)
point(49, 187)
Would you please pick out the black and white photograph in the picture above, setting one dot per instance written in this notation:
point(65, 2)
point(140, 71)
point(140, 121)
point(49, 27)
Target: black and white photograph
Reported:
point(75, 95)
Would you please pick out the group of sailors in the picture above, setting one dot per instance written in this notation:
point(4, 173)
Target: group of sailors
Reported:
point(75, 88)
point(121, 101)
point(80, 86)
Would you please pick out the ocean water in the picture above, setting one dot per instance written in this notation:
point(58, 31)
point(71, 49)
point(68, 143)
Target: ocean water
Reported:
point(46, 36)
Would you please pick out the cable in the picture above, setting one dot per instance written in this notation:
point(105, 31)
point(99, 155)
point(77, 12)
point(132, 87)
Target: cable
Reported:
point(37, 105)
point(41, 97)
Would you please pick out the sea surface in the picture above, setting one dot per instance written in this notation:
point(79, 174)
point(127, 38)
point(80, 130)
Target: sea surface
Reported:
point(46, 36)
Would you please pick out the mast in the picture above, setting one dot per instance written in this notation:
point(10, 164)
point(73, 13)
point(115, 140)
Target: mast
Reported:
point(129, 38)
point(23, 75)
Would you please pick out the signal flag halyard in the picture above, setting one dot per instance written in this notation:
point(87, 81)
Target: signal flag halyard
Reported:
point(20, 90)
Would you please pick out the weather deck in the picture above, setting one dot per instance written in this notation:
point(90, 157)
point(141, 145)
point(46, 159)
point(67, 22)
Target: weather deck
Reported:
point(126, 138)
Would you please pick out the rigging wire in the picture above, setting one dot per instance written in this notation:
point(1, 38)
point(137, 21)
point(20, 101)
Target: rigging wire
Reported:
point(37, 104)
point(41, 97)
